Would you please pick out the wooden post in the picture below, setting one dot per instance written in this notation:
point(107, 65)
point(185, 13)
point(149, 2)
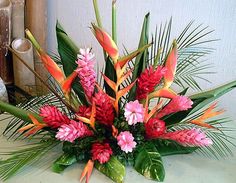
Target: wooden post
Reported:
point(36, 22)
point(18, 18)
point(6, 71)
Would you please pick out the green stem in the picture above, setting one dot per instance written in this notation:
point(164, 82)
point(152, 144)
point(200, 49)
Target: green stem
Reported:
point(98, 18)
point(33, 40)
point(114, 24)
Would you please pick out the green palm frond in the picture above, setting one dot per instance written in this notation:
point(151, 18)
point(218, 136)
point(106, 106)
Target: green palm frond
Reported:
point(24, 157)
point(32, 105)
point(192, 50)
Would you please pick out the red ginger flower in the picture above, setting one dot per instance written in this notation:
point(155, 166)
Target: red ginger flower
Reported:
point(148, 80)
point(53, 117)
point(72, 131)
point(101, 152)
point(192, 137)
point(179, 103)
point(155, 128)
point(104, 108)
point(84, 111)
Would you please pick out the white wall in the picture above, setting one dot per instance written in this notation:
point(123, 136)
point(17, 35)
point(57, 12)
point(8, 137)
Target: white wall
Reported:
point(76, 16)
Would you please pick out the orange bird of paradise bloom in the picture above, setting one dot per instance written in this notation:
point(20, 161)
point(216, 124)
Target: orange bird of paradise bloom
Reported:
point(53, 68)
point(208, 113)
point(32, 128)
point(87, 171)
point(170, 65)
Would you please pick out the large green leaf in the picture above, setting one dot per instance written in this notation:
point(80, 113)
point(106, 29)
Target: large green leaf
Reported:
point(63, 162)
point(148, 162)
point(18, 112)
point(113, 169)
point(140, 61)
point(167, 148)
point(68, 52)
point(200, 100)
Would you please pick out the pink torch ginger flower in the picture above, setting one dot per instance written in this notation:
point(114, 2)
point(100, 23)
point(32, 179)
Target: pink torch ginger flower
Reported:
point(126, 141)
point(134, 112)
point(86, 72)
point(72, 131)
point(179, 103)
point(53, 117)
point(192, 137)
point(101, 152)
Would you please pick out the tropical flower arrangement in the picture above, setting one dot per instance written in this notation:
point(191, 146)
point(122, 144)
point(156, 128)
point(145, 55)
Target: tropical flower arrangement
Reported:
point(127, 115)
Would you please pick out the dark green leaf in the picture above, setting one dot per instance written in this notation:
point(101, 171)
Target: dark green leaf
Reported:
point(167, 148)
point(199, 101)
point(148, 162)
point(111, 74)
point(63, 162)
point(113, 169)
point(68, 52)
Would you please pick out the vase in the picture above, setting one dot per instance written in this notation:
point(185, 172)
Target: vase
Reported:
point(23, 77)
point(6, 72)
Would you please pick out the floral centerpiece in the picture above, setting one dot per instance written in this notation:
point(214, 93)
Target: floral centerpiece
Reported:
point(127, 115)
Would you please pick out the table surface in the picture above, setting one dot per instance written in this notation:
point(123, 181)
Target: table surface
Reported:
point(191, 168)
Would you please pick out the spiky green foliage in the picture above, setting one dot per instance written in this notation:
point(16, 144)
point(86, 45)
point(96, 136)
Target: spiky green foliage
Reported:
point(25, 157)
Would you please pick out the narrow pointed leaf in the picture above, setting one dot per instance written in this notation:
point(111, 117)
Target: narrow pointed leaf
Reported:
point(110, 72)
point(140, 61)
point(68, 53)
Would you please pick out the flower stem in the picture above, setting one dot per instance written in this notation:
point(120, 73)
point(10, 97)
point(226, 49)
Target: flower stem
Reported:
point(114, 24)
